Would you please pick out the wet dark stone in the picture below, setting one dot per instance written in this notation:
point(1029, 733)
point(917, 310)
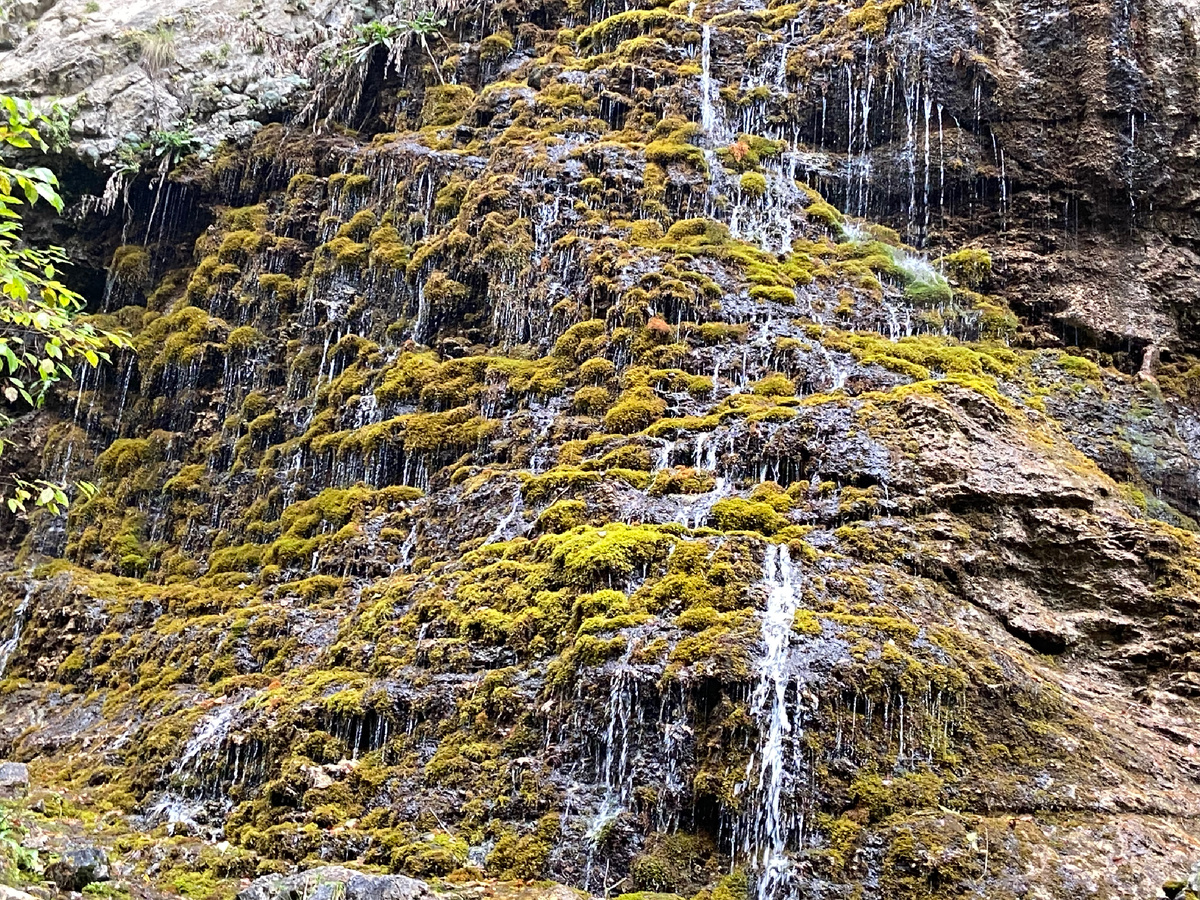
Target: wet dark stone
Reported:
point(335, 883)
point(78, 867)
point(14, 780)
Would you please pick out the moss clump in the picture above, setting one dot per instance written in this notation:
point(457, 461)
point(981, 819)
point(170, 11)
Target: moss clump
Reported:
point(445, 104)
point(753, 185)
point(562, 516)
point(775, 385)
point(592, 556)
point(388, 251)
point(929, 292)
point(872, 17)
point(496, 46)
point(749, 150)
point(525, 856)
point(646, 232)
point(340, 253)
point(276, 285)
point(971, 268)
point(699, 230)
point(131, 265)
point(682, 480)
point(820, 209)
point(592, 400)
point(626, 25)
point(637, 408)
point(360, 226)
point(1079, 367)
point(674, 147)
point(596, 371)
point(734, 886)
point(738, 514)
point(582, 341)
point(244, 558)
point(243, 338)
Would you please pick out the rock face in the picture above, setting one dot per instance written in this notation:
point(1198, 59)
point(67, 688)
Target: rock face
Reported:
point(701, 449)
point(131, 68)
point(334, 882)
point(77, 867)
point(14, 780)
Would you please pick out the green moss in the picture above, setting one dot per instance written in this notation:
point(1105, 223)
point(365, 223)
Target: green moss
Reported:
point(775, 385)
point(131, 265)
point(496, 46)
point(734, 886)
point(590, 556)
point(625, 25)
point(682, 480)
point(970, 267)
point(929, 292)
point(360, 226)
point(340, 253)
point(753, 185)
point(646, 232)
point(243, 338)
point(637, 408)
point(737, 514)
point(872, 17)
point(446, 104)
point(821, 210)
point(524, 856)
point(238, 245)
point(276, 285)
point(244, 558)
point(559, 481)
point(676, 149)
point(596, 371)
point(773, 293)
point(561, 516)
point(1079, 367)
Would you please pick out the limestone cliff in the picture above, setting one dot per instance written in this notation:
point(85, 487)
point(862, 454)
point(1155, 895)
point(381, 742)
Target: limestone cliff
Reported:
point(713, 449)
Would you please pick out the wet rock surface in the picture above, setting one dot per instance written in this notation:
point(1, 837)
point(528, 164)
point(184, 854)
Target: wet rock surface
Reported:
point(77, 867)
point(328, 882)
point(14, 780)
point(690, 450)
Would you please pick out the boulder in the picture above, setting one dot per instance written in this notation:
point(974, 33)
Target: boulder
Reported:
point(335, 883)
point(78, 867)
point(14, 780)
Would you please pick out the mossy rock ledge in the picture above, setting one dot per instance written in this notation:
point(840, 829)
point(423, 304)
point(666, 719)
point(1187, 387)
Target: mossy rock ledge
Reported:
point(713, 451)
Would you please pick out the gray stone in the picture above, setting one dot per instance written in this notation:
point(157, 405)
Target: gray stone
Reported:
point(14, 780)
point(78, 867)
point(335, 883)
point(10, 893)
point(76, 58)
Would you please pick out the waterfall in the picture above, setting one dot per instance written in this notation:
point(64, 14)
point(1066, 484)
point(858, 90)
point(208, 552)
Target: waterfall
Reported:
point(708, 111)
point(768, 823)
point(616, 764)
point(9, 647)
point(501, 526)
point(662, 459)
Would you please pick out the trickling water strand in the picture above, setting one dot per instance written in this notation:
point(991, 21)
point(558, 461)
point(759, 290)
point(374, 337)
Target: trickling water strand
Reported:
point(766, 833)
point(941, 170)
point(9, 647)
point(708, 111)
point(662, 459)
point(615, 762)
point(501, 526)
point(676, 736)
